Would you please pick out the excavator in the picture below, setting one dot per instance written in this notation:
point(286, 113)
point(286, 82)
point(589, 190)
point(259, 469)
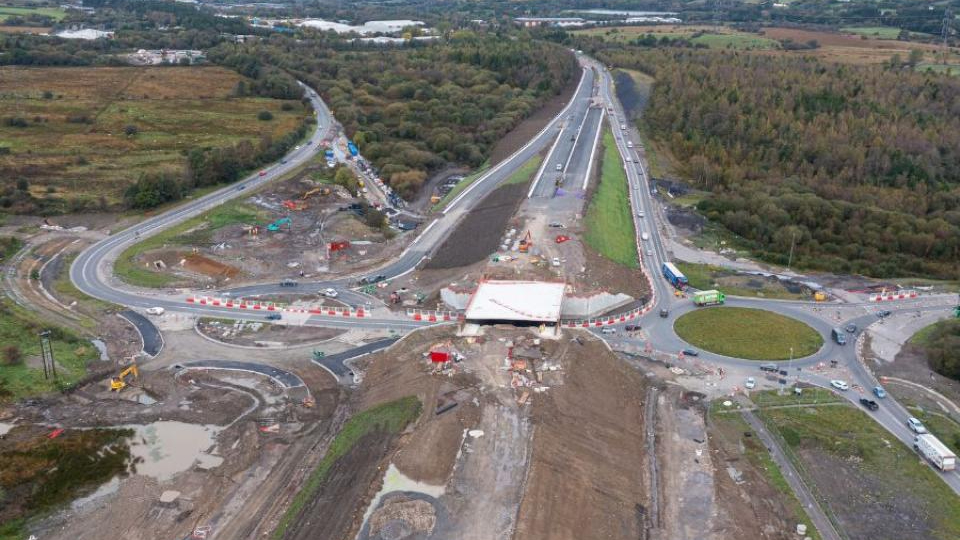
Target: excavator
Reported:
point(314, 191)
point(119, 382)
point(275, 226)
point(526, 242)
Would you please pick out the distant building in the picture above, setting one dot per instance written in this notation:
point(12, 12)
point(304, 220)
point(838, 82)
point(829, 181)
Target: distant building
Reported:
point(158, 57)
point(565, 22)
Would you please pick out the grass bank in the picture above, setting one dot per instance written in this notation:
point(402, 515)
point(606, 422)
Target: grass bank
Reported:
point(462, 185)
point(194, 231)
point(525, 172)
point(754, 334)
point(391, 417)
point(885, 486)
point(21, 372)
point(706, 276)
point(609, 225)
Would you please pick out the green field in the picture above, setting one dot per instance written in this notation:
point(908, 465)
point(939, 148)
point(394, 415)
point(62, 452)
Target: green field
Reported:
point(70, 144)
point(946, 69)
point(191, 232)
point(56, 14)
point(9, 246)
point(705, 277)
point(609, 225)
point(871, 459)
point(19, 336)
point(725, 39)
point(389, 418)
point(808, 396)
point(754, 334)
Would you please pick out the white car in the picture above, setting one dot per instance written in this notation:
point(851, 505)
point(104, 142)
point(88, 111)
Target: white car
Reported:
point(329, 293)
point(916, 426)
point(155, 311)
point(559, 166)
point(750, 384)
point(555, 261)
point(840, 385)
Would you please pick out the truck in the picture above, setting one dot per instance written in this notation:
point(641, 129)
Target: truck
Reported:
point(352, 148)
point(935, 451)
point(708, 298)
point(674, 275)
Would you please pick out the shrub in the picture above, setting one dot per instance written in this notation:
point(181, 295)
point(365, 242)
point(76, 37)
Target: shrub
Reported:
point(265, 116)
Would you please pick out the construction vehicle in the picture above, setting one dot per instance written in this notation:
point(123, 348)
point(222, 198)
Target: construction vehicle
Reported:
point(295, 206)
point(526, 242)
point(119, 382)
point(708, 298)
point(275, 226)
point(323, 191)
point(819, 297)
point(434, 199)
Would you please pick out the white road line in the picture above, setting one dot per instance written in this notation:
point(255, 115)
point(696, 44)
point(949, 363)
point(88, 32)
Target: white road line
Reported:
point(593, 151)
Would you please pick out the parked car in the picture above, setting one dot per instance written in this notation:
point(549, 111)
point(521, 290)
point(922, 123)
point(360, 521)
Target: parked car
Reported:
point(851, 328)
point(916, 426)
point(273, 317)
point(869, 403)
point(329, 293)
point(555, 261)
point(608, 330)
point(879, 392)
point(750, 384)
point(155, 311)
point(632, 327)
point(840, 385)
point(556, 225)
point(691, 352)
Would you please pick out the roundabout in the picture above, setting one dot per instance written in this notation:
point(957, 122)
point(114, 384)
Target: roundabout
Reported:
point(748, 333)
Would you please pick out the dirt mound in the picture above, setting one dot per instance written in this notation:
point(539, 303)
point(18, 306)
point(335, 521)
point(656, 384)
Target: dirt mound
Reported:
point(478, 235)
point(203, 265)
point(401, 517)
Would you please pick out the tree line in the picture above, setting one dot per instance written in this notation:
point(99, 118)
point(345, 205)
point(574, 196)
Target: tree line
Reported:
point(414, 109)
point(854, 168)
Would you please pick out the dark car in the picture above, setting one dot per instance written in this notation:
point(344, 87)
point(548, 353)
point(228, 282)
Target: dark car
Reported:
point(691, 352)
point(273, 317)
point(769, 367)
point(241, 187)
point(369, 280)
point(851, 328)
point(632, 327)
point(664, 313)
point(884, 313)
point(288, 283)
point(869, 403)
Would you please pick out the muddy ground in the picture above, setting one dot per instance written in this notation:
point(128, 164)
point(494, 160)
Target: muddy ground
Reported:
point(587, 472)
point(256, 334)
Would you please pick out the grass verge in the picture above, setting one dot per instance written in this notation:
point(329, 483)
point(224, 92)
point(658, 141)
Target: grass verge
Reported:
point(9, 246)
point(191, 232)
point(391, 417)
point(809, 396)
point(19, 336)
point(609, 225)
point(760, 458)
point(525, 172)
point(462, 185)
point(869, 456)
point(754, 334)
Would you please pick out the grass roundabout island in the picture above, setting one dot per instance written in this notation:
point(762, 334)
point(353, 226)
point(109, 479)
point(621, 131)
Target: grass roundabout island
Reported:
point(754, 334)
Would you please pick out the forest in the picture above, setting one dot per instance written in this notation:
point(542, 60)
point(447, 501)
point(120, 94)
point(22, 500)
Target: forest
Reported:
point(942, 347)
point(413, 110)
point(855, 167)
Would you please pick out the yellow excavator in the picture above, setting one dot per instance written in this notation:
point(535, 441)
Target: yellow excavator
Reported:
point(119, 382)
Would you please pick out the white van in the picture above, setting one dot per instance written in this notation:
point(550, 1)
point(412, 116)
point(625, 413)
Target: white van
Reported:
point(644, 237)
point(608, 330)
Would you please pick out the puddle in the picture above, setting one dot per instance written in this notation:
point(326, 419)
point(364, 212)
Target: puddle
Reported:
point(5, 428)
point(109, 488)
point(168, 448)
point(102, 347)
point(268, 393)
point(394, 480)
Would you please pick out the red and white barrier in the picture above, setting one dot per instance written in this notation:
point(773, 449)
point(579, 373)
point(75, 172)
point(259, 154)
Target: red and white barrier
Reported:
point(899, 295)
point(256, 305)
point(428, 315)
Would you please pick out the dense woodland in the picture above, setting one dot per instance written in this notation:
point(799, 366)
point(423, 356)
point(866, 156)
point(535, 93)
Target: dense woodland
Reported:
point(857, 165)
point(943, 349)
point(413, 110)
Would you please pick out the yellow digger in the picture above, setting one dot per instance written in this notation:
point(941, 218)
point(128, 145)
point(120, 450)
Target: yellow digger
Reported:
point(119, 382)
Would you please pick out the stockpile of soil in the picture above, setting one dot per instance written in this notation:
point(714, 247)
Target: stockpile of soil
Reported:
point(587, 470)
point(478, 235)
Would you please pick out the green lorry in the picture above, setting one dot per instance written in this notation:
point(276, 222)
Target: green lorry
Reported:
point(708, 298)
